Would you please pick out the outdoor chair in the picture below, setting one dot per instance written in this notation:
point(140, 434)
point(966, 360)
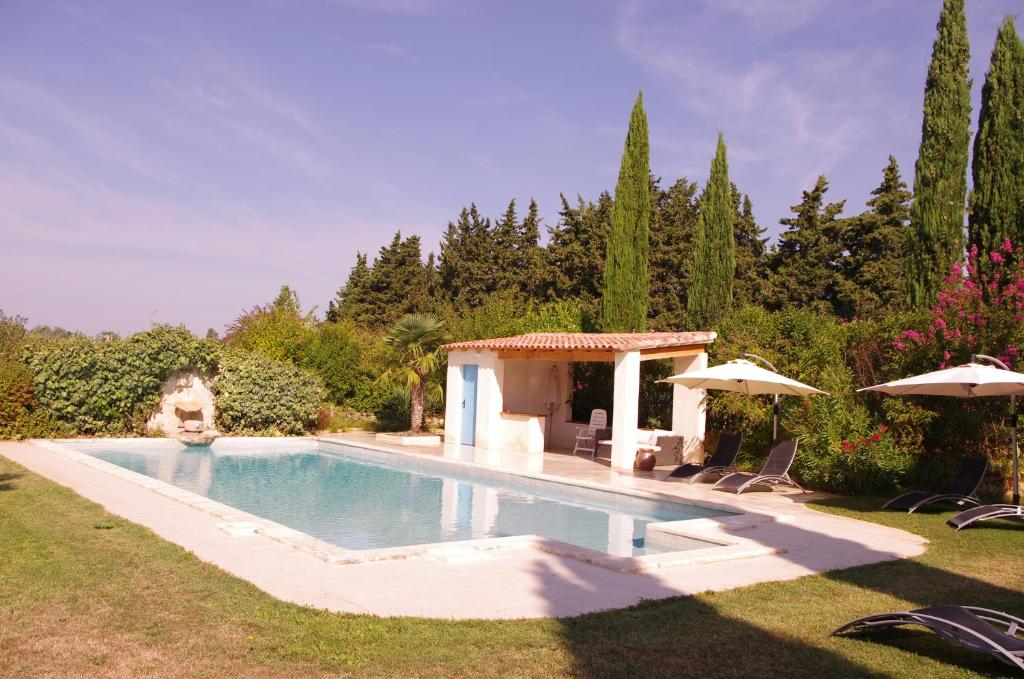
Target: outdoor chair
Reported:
point(963, 490)
point(774, 472)
point(984, 513)
point(586, 437)
point(976, 629)
point(719, 464)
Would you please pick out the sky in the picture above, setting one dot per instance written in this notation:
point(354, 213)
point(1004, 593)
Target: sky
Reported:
point(177, 162)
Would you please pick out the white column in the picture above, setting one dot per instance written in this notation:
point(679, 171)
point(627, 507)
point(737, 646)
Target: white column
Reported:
point(453, 404)
point(489, 400)
point(626, 409)
point(688, 407)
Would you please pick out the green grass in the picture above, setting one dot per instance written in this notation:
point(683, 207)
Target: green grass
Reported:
point(83, 593)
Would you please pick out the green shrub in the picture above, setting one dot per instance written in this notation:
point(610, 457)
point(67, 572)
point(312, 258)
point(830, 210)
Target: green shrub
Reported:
point(505, 314)
point(277, 330)
point(110, 387)
point(845, 443)
point(334, 351)
point(259, 395)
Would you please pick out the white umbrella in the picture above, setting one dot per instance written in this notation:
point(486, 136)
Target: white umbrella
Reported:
point(747, 378)
point(742, 376)
point(970, 380)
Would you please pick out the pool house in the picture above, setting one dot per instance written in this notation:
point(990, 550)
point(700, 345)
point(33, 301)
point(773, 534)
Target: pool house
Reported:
point(514, 393)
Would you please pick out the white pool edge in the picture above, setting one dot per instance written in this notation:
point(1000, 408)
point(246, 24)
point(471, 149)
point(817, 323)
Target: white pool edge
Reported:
point(235, 522)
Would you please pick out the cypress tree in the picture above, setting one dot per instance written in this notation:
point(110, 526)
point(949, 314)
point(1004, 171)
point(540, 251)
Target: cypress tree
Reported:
point(626, 281)
point(714, 246)
point(940, 175)
point(997, 204)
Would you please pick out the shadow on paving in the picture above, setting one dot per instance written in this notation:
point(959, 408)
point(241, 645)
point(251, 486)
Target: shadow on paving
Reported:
point(689, 636)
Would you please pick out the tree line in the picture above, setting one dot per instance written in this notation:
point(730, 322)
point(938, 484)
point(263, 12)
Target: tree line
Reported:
point(678, 256)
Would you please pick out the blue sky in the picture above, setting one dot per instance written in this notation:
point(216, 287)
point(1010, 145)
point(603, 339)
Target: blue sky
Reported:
point(179, 161)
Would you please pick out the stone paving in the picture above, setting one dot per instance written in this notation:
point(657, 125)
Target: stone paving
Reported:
point(522, 581)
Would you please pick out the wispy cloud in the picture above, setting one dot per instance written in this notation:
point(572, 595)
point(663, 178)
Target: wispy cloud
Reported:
point(792, 111)
point(415, 7)
point(387, 49)
point(105, 138)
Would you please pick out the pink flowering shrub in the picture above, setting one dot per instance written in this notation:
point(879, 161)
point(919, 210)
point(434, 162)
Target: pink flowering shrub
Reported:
point(976, 312)
point(980, 310)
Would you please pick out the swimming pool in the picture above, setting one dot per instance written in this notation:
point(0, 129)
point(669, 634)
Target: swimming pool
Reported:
point(362, 499)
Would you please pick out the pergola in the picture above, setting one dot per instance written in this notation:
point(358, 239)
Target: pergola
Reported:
point(497, 388)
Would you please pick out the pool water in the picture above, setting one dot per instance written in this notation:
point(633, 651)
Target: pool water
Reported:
point(362, 499)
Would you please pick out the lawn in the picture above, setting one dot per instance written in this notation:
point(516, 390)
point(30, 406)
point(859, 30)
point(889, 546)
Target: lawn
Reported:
point(83, 593)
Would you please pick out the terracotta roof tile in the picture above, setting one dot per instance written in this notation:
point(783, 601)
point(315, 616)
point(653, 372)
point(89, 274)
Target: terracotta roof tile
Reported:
point(584, 341)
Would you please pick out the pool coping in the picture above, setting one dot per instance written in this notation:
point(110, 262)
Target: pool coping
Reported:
point(236, 522)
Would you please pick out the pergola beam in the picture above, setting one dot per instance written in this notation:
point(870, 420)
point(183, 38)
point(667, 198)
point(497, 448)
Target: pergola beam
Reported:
point(596, 355)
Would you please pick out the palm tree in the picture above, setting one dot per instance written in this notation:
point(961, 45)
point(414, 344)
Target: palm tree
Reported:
point(414, 355)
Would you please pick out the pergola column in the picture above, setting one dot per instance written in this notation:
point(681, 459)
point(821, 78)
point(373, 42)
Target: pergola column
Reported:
point(626, 409)
point(688, 407)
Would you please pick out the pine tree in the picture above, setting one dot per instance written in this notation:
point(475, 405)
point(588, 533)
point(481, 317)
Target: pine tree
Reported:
point(574, 255)
point(376, 296)
point(997, 204)
point(627, 284)
point(750, 284)
point(501, 251)
point(466, 265)
point(673, 222)
point(940, 175)
point(529, 256)
point(875, 241)
point(352, 295)
point(714, 246)
point(807, 265)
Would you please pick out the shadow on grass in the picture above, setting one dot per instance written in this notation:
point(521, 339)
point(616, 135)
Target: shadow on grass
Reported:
point(756, 630)
point(6, 478)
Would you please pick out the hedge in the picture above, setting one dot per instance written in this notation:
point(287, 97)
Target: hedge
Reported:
point(259, 395)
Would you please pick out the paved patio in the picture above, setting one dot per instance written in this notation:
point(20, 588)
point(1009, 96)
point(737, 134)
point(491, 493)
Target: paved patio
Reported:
point(521, 581)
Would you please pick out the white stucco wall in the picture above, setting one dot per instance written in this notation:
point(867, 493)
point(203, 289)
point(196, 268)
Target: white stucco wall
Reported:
point(520, 386)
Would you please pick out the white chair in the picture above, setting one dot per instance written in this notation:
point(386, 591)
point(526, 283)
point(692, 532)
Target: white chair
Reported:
point(586, 437)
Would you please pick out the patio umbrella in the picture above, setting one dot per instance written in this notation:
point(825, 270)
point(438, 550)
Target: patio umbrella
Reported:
point(745, 377)
point(971, 380)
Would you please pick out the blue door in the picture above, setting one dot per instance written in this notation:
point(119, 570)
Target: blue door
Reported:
point(469, 373)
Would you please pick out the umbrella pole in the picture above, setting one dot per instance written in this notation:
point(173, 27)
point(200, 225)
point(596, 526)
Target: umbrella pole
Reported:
point(775, 420)
point(1013, 445)
point(1013, 427)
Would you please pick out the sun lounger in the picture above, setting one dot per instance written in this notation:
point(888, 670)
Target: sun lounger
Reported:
point(774, 472)
point(977, 629)
point(719, 464)
point(984, 513)
point(963, 490)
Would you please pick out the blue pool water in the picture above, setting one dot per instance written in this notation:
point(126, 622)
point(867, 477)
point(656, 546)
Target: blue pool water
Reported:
point(362, 499)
